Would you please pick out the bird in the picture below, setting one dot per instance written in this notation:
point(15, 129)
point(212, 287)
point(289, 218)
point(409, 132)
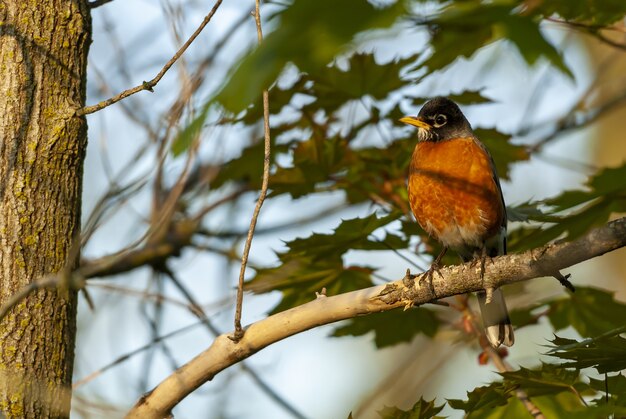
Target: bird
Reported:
point(455, 195)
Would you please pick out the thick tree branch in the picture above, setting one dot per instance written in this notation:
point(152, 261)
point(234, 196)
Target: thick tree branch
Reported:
point(459, 279)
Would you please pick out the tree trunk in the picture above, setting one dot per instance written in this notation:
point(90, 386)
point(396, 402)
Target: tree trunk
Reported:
point(43, 57)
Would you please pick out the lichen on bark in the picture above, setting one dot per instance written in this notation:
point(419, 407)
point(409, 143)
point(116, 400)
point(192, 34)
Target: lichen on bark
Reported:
point(43, 56)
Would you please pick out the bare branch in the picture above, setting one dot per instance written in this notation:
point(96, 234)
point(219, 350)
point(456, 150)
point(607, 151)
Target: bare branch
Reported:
point(149, 85)
point(575, 120)
point(266, 175)
point(97, 3)
point(458, 279)
point(117, 361)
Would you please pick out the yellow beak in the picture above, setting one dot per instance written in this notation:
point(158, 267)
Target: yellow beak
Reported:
point(416, 122)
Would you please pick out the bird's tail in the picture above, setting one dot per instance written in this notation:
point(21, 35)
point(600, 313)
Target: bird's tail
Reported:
point(496, 319)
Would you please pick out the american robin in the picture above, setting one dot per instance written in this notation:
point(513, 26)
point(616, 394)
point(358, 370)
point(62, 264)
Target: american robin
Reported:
point(455, 195)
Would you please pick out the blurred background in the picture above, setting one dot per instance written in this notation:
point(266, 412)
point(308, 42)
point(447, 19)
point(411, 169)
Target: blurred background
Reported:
point(142, 325)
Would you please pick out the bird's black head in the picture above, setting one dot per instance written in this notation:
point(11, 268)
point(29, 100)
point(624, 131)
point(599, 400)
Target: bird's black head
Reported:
point(440, 119)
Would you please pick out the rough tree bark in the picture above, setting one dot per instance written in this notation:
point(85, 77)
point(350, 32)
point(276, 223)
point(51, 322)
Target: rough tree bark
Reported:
point(43, 57)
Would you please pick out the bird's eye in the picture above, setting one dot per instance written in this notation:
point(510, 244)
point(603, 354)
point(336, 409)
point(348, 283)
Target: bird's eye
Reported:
point(440, 120)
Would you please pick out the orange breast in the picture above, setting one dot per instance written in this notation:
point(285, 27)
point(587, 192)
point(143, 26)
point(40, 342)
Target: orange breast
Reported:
point(453, 194)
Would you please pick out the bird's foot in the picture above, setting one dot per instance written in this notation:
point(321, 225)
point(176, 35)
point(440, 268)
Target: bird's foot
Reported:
point(426, 278)
point(482, 258)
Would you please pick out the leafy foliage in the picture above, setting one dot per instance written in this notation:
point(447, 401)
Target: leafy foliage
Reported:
point(483, 23)
point(486, 397)
point(605, 353)
point(594, 12)
point(392, 327)
point(591, 311)
point(422, 409)
point(568, 405)
point(335, 128)
point(315, 262)
point(573, 212)
point(549, 379)
point(330, 28)
point(614, 386)
point(468, 97)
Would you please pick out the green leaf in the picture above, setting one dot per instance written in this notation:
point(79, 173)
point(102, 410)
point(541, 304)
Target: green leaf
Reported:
point(464, 27)
point(512, 409)
point(248, 167)
point(392, 327)
point(333, 86)
point(279, 98)
point(185, 138)
point(468, 97)
point(529, 211)
point(605, 353)
point(591, 311)
point(567, 405)
point(422, 409)
point(351, 234)
point(329, 29)
point(609, 182)
point(567, 227)
point(549, 379)
point(524, 32)
point(575, 212)
point(315, 262)
point(459, 32)
point(314, 161)
point(498, 400)
point(614, 383)
point(364, 76)
point(299, 279)
point(486, 397)
point(590, 12)
point(525, 316)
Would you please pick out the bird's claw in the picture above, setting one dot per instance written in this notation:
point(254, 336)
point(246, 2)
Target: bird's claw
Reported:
point(426, 278)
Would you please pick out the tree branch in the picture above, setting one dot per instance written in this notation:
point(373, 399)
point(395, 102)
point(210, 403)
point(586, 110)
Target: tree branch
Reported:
point(259, 203)
point(149, 85)
point(97, 3)
point(458, 279)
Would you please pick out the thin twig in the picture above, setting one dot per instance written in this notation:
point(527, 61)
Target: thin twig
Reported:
point(266, 174)
point(149, 85)
point(289, 224)
point(608, 41)
point(594, 30)
point(130, 354)
point(98, 3)
point(587, 26)
point(575, 120)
